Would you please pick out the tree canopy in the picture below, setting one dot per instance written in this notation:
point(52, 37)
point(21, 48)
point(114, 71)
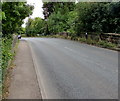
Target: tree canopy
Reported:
point(35, 26)
point(76, 18)
point(13, 15)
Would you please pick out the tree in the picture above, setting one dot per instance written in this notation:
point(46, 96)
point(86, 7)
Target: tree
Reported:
point(57, 15)
point(114, 11)
point(98, 17)
point(35, 26)
point(15, 12)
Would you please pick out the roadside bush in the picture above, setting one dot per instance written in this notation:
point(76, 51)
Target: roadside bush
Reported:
point(5, 56)
point(82, 39)
point(90, 41)
point(106, 44)
point(6, 52)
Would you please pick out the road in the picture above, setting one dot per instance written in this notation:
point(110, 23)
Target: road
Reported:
point(71, 70)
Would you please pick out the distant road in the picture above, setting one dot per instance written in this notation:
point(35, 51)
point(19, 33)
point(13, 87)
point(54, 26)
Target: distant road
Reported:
point(71, 70)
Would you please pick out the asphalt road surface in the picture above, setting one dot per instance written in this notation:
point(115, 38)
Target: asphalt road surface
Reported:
point(71, 70)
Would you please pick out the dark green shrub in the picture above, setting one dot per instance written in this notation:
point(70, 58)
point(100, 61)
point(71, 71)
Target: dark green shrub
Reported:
point(6, 52)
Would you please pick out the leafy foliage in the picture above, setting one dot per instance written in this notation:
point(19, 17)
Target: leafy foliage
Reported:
point(35, 26)
point(82, 17)
point(98, 17)
point(58, 16)
point(12, 17)
point(74, 19)
point(14, 13)
point(6, 52)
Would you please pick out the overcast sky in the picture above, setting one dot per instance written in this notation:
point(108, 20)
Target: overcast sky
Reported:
point(37, 12)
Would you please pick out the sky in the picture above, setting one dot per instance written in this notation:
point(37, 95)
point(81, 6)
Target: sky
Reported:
point(37, 12)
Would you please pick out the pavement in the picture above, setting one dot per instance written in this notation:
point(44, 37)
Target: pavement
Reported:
point(24, 84)
point(71, 70)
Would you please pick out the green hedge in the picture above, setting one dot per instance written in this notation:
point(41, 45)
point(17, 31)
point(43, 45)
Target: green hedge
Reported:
point(5, 56)
point(6, 52)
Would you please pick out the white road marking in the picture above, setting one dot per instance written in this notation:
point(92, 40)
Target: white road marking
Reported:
point(68, 48)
